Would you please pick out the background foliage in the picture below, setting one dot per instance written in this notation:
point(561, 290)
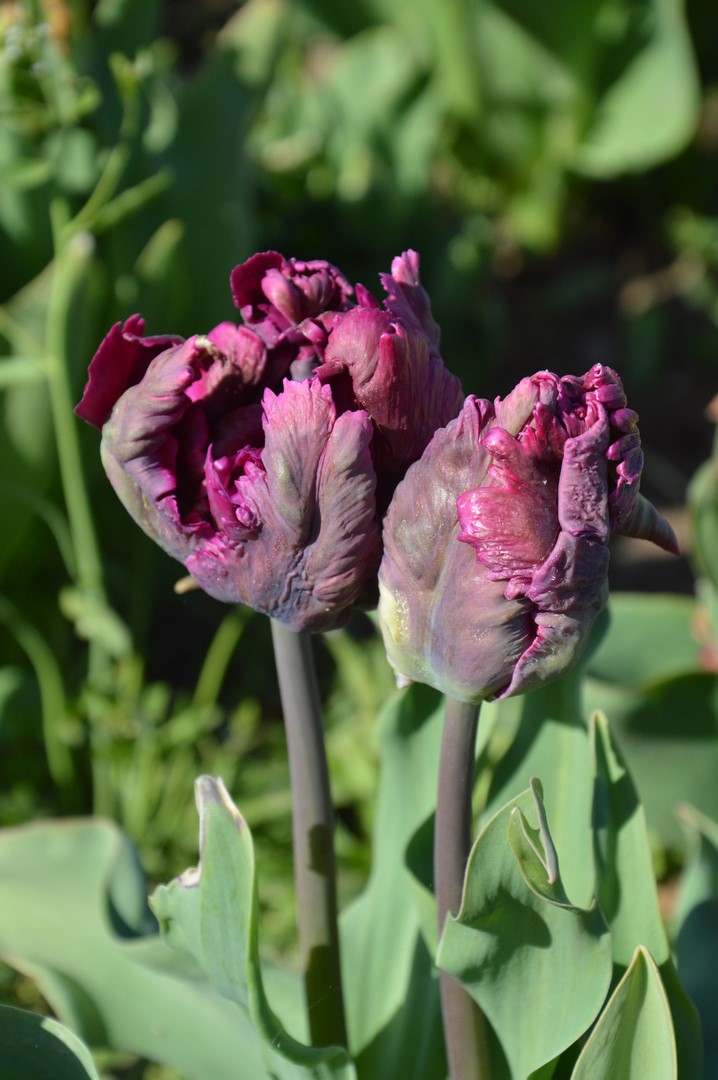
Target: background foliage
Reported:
point(557, 169)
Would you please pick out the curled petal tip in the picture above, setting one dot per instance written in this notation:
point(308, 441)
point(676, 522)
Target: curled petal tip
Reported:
point(647, 523)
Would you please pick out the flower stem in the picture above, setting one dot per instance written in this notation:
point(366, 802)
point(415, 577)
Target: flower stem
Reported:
point(312, 831)
point(464, 1028)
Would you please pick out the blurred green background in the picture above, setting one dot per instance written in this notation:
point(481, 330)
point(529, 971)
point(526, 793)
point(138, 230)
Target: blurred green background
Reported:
point(555, 165)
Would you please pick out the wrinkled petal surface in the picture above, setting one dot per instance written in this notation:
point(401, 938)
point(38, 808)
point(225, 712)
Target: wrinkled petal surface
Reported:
point(314, 539)
point(398, 380)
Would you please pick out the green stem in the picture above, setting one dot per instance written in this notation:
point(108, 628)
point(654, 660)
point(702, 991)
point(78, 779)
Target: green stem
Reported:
point(464, 1027)
point(70, 268)
point(218, 656)
point(312, 830)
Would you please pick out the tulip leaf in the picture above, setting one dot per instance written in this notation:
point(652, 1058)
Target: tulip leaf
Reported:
point(39, 1047)
point(550, 741)
point(696, 927)
point(633, 1038)
point(210, 913)
point(392, 993)
point(668, 731)
point(660, 75)
point(90, 952)
point(662, 624)
point(625, 882)
point(538, 966)
point(626, 887)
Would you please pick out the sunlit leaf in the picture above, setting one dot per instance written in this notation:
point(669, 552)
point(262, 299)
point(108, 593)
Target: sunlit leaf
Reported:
point(538, 966)
point(211, 914)
point(633, 1038)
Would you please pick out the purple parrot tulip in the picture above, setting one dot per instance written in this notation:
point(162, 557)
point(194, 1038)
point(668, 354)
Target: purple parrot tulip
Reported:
point(496, 542)
point(255, 460)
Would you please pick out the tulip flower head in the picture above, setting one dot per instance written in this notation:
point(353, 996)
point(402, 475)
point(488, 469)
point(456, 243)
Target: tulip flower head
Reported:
point(254, 454)
point(496, 543)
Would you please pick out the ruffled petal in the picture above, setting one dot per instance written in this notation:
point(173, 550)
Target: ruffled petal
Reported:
point(121, 361)
point(408, 300)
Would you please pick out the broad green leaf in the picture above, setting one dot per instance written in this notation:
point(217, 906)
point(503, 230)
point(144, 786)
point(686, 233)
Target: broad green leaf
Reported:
point(696, 927)
point(626, 887)
point(624, 870)
point(38, 1047)
point(660, 79)
point(633, 1038)
point(550, 741)
point(392, 989)
point(111, 985)
point(538, 966)
point(563, 31)
point(649, 639)
point(668, 731)
point(211, 913)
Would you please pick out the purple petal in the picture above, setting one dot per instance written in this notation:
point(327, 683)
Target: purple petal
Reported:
point(275, 294)
point(569, 591)
point(121, 361)
point(444, 621)
point(153, 449)
point(646, 523)
point(407, 299)
point(347, 549)
point(583, 486)
point(510, 532)
point(317, 544)
point(244, 349)
point(297, 424)
point(246, 284)
point(406, 390)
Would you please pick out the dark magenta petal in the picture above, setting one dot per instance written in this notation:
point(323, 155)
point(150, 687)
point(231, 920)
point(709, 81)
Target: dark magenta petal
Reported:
point(244, 349)
point(408, 300)
point(275, 294)
point(229, 482)
point(510, 531)
point(395, 377)
point(121, 360)
point(246, 283)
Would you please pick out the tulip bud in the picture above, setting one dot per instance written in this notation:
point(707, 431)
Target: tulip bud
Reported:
point(496, 542)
